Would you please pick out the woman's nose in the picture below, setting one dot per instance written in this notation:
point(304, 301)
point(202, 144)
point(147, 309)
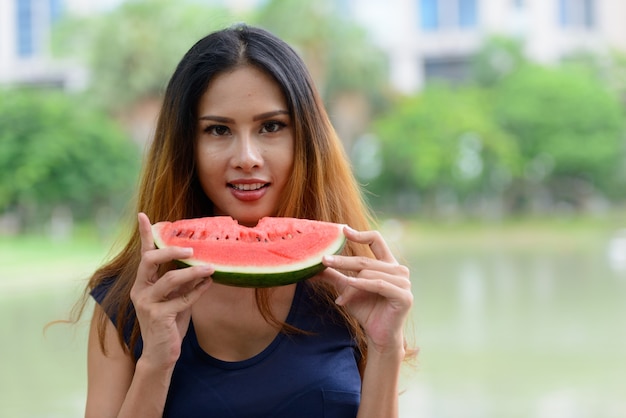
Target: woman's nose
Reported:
point(248, 154)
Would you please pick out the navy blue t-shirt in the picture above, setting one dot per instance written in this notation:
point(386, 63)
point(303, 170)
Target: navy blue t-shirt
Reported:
point(313, 375)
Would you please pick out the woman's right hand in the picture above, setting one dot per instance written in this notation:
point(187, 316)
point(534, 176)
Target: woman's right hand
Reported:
point(163, 304)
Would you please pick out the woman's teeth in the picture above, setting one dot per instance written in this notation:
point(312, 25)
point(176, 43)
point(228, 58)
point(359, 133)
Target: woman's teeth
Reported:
point(247, 187)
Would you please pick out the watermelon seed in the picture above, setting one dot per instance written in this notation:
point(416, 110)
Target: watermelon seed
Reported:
point(191, 235)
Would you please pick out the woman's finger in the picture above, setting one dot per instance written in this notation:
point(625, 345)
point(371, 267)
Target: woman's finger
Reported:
point(152, 258)
point(186, 299)
point(165, 255)
point(145, 232)
point(375, 241)
point(396, 295)
point(339, 281)
point(147, 245)
point(358, 264)
point(148, 270)
point(395, 289)
point(173, 285)
point(178, 282)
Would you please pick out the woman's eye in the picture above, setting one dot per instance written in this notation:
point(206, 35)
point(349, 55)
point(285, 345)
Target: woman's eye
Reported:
point(274, 126)
point(217, 130)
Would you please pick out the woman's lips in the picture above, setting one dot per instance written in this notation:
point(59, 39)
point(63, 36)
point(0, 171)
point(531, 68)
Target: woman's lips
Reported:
point(248, 192)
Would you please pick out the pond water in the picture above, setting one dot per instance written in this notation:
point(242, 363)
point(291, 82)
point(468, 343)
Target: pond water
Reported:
point(531, 330)
point(41, 375)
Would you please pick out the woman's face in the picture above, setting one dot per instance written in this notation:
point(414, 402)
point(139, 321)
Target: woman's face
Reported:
point(245, 144)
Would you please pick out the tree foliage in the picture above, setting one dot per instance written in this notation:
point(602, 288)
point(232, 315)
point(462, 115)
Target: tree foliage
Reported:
point(443, 140)
point(339, 52)
point(132, 50)
point(496, 59)
point(56, 151)
point(569, 127)
point(527, 135)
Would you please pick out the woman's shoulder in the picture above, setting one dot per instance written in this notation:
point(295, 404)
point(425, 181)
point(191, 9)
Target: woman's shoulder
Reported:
point(101, 289)
point(102, 293)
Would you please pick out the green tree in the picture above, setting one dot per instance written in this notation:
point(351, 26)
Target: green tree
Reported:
point(617, 74)
point(55, 151)
point(444, 140)
point(339, 52)
point(498, 57)
point(569, 128)
point(529, 136)
point(132, 50)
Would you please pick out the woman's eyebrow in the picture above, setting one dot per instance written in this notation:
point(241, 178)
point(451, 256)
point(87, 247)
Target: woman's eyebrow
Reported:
point(258, 117)
point(220, 119)
point(267, 115)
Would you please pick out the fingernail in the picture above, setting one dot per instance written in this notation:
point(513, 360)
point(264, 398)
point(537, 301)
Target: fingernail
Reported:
point(339, 300)
point(329, 258)
point(188, 252)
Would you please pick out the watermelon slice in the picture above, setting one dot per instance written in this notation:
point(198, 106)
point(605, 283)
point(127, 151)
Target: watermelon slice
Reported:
point(276, 252)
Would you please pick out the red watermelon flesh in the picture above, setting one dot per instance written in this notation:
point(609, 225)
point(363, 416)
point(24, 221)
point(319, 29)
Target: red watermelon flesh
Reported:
point(277, 251)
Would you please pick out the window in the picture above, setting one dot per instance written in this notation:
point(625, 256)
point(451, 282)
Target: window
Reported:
point(588, 13)
point(564, 12)
point(24, 19)
point(452, 69)
point(467, 13)
point(429, 12)
point(447, 14)
point(56, 10)
point(577, 13)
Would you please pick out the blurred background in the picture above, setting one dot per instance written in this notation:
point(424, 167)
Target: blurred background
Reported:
point(489, 136)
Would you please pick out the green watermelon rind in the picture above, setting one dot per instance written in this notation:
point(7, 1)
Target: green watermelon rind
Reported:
point(261, 280)
point(263, 277)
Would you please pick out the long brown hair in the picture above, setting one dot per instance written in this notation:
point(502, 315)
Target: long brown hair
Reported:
point(321, 187)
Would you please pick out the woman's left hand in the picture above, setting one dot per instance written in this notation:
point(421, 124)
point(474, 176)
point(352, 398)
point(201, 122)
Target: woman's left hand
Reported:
point(376, 291)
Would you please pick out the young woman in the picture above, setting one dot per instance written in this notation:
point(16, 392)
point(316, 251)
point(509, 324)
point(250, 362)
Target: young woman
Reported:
point(242, 132)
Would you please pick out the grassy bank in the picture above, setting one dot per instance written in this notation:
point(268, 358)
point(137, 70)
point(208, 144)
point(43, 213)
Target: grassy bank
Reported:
point(28, 261)
point(557, 234)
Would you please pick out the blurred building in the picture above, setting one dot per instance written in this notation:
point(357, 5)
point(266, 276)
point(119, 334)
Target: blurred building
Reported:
point(428, 39)
point(425, 39)
point(26, 45)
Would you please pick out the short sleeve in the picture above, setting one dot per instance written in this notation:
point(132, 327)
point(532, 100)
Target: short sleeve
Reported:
point(99, 293)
